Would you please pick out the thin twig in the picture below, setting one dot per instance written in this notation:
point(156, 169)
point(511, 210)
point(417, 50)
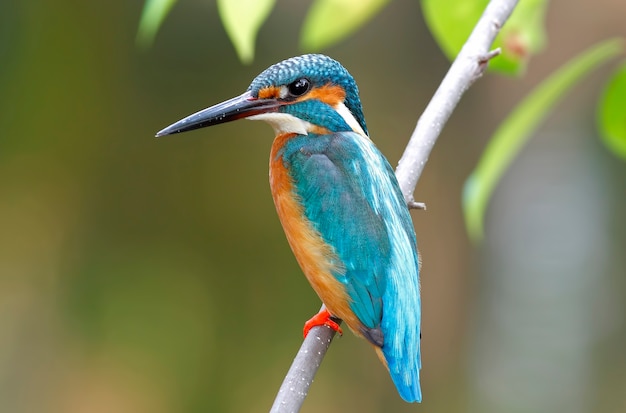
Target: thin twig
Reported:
point(466, 68)
point(416, 205)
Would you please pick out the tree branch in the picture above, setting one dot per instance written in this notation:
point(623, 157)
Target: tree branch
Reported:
point(466, 68)
point(303, 369)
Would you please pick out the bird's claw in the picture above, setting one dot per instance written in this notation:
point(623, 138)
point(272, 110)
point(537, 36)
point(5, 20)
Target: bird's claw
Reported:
point(323, 318)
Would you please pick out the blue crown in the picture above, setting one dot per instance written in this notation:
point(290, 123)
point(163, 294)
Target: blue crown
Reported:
point(319, 70)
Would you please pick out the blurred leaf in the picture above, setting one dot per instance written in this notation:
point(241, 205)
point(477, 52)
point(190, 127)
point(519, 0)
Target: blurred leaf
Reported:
point(329, 21)
point(152, 16)
point(242, 20)
point(522, 36)
point(517, 128)
point(452, 21)
point(612, 113)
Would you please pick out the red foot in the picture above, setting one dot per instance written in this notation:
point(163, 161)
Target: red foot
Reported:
point(323, 318)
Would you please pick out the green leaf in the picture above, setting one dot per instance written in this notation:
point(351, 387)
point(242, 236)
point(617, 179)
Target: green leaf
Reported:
point(330, 21)
point(522, 36)
point(152, 16)
point(242, 20)
point(612, 114)
point(517, 128)
point(452, 21)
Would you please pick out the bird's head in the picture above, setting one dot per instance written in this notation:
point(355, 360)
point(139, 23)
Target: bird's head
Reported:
point(306, 94)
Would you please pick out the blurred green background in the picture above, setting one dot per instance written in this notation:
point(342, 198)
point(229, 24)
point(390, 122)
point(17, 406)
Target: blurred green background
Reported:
point(143, 275)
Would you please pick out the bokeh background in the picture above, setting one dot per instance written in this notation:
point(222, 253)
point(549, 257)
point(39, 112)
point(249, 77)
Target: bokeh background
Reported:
point(142, 275)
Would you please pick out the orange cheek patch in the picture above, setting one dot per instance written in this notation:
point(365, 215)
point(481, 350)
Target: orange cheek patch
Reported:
point(269, 92)
point(329, 94)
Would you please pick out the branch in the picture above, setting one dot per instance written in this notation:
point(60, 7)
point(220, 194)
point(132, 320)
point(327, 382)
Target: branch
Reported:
point(302, 371)
point(466, 68)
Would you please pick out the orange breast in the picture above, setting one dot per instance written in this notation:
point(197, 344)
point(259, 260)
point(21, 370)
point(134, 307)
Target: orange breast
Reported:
point(315, 256)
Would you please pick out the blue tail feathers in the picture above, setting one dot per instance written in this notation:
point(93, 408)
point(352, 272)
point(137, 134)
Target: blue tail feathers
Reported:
point(404, 372)
point(401, 332)
point(407, 383)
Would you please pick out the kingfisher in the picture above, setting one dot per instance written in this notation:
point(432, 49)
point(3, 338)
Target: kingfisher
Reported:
point(340, 205)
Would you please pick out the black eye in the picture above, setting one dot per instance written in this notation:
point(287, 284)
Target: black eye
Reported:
point(299, 87)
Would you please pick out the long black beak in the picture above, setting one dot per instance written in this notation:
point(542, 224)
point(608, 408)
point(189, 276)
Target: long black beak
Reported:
point(239, 107)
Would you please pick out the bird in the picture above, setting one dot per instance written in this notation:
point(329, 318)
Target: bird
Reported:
point(340, 205)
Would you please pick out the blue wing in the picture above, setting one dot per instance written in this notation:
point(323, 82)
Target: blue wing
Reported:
point(352, 198)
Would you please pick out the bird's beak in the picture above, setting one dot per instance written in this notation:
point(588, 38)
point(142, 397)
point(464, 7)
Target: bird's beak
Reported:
point(239, 107)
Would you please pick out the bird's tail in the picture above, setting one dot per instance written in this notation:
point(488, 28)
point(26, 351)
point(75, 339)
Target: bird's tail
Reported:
point(401, 354)
point(406, 379)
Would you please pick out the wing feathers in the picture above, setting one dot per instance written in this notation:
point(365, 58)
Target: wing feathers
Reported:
point(351, 198)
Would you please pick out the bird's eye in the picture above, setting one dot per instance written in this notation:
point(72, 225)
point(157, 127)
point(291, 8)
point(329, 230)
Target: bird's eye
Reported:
point(299, 87)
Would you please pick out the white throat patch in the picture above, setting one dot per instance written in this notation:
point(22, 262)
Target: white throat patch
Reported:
point(284, 123)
